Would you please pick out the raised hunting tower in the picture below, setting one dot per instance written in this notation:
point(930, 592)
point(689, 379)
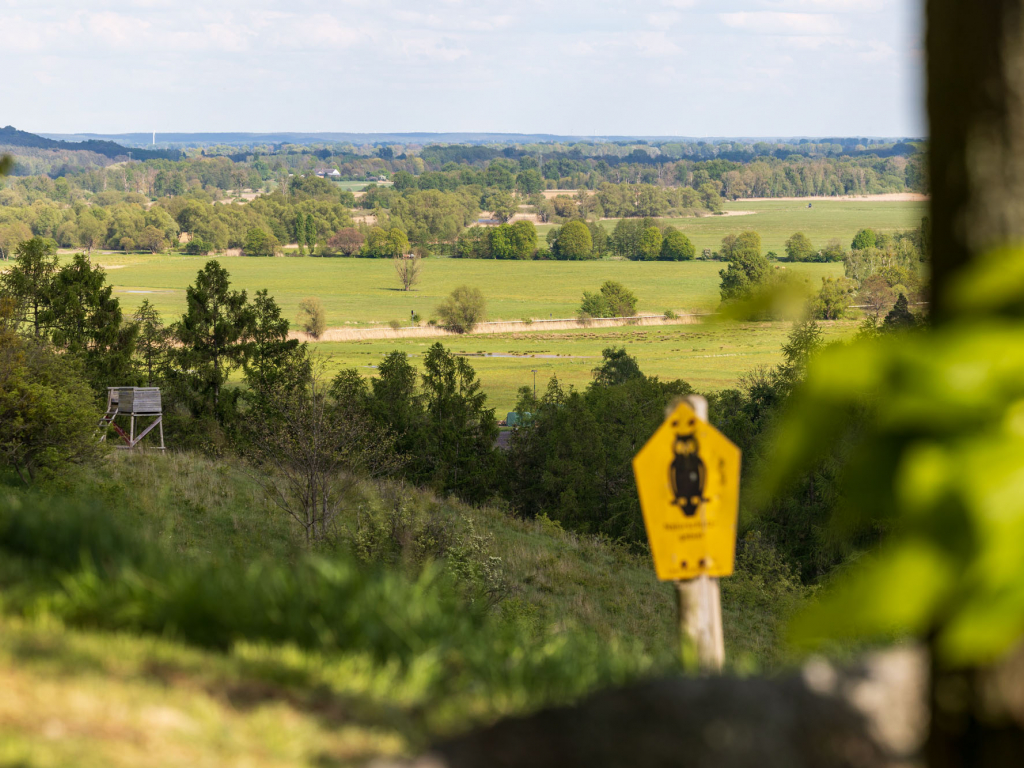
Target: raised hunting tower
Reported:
point(133, 403)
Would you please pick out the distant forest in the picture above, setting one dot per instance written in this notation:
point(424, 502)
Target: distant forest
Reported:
point(422, 197)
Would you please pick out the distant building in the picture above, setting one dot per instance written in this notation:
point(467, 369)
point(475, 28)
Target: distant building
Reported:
point(328, 173)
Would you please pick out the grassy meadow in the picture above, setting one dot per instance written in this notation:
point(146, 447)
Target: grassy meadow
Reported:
point(709, 356)
point(776, 220)
point(361, 292)
point(365, 292)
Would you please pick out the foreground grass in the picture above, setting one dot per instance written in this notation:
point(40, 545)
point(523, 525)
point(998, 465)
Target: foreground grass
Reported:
point(92, 697)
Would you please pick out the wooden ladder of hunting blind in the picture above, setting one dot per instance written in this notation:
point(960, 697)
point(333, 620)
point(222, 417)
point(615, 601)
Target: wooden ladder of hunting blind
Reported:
point(133, 402)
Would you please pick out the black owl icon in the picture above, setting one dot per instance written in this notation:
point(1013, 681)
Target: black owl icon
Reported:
point(687, 475)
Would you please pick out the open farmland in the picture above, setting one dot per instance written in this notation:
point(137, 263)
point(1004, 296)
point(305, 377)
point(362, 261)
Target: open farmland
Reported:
point(710, 356)
point(366, 291)
point(776, 220)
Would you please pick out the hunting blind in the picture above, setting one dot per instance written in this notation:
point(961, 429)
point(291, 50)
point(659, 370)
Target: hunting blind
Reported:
point(134, 403)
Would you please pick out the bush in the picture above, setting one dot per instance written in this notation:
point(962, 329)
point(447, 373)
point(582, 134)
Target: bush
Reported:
point(394, 325)
point(259, 242)
point(462, 310)
point(48, 414)
point(197, 247)
point(313, 318)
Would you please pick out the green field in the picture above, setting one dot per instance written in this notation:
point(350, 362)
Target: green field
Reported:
point(362, 291)
point(709, 356)
point(365, 291)
point(775, 221)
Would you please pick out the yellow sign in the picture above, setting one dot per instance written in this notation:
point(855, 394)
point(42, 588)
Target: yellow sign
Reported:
point(688, 478)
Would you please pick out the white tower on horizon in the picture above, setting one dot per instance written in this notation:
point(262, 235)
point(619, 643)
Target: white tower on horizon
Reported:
point(154, 138)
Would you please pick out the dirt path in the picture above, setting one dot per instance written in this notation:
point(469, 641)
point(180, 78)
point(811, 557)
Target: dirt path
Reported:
point(499, 326)
point(892, 197)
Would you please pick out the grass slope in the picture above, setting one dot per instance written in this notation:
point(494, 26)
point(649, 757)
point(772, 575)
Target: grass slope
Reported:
point(92, 697)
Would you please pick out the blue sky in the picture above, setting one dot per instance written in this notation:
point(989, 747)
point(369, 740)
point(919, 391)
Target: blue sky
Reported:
point(662, 67)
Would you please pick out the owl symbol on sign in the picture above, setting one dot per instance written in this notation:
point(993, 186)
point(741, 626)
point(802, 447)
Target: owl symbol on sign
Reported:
point(688, 475)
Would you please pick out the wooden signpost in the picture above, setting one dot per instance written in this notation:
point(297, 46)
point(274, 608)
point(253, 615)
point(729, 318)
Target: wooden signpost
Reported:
point(688, 479)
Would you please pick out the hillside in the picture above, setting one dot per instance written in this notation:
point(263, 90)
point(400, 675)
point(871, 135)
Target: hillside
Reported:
point(567, 613)
point(12, 137)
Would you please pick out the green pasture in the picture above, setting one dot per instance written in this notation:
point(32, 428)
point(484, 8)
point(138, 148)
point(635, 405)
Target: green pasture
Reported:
point(710, 356)
point(776, 220)
point(366, 291)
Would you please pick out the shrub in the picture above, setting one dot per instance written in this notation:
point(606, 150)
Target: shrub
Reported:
point(670, 315)
point(394, 325)
point(799, 248)
point(462, 310)
point(574, 242)
point(197, 247)
point(676, 246)
point(613, 300)
point(259, 242)
point(313, 318)
point(47, 413)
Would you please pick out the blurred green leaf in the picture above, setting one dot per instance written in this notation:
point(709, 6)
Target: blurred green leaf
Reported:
point(936, 424)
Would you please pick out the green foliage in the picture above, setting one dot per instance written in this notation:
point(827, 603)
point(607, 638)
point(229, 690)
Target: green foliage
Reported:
point(799, 248)
point(28, 281)
point(863, 240)
point(462, 309)
point(312, 318)
point(270, 356)
point(574, 464)
point(151, 343)
point(650, 244)
point(211, 338)
point(443, 428)
point(748, 270)
point(900, 317)
point(937, 461)
point(573, 242)
point(613, 300)
point(84, 319)
point(833, 300)
point(197, 247)
point(48, 415)
point(259, 242)
point(676, 246)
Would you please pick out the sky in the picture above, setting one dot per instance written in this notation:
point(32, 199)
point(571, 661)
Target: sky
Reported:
point(695, 68)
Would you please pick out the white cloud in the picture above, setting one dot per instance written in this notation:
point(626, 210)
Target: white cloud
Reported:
point(535, 65)
point(778, 23)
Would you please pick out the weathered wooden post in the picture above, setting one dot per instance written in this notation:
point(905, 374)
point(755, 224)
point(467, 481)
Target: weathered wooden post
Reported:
point(687, 476)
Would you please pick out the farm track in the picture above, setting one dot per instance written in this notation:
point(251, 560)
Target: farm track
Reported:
point(499, 326)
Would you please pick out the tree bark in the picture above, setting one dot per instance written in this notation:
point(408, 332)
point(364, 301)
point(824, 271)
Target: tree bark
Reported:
point(976, 114)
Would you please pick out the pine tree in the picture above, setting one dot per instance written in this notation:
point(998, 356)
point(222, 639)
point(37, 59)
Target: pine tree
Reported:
point(213, 335)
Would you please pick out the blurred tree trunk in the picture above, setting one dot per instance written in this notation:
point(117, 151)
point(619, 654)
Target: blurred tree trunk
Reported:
point(976, 113)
